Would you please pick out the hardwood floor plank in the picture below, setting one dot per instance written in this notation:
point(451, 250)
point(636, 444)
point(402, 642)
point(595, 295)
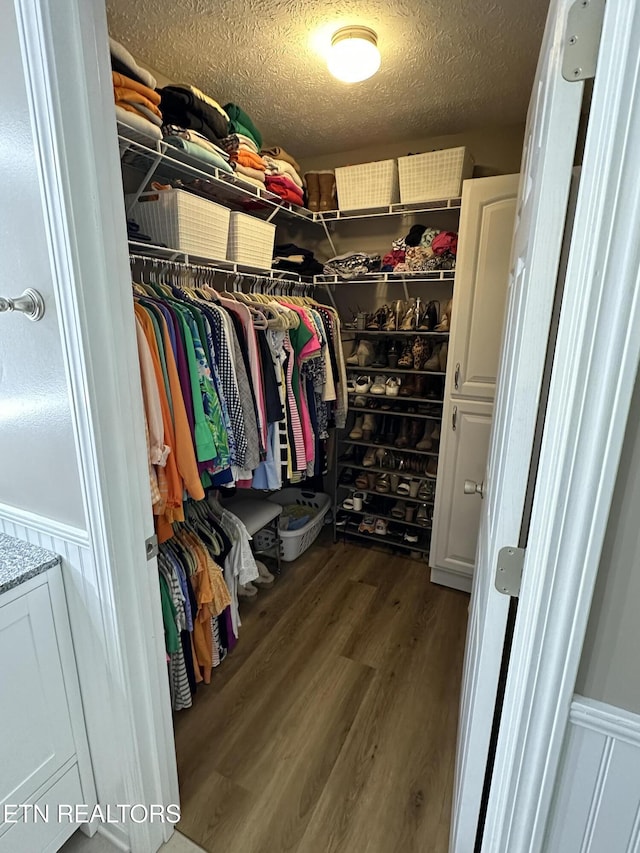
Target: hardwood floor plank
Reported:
point(333, 731)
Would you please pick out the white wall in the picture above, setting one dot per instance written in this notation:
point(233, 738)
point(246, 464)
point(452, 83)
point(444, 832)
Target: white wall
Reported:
point(610, 666)
point(496, 150)
point(38, 464)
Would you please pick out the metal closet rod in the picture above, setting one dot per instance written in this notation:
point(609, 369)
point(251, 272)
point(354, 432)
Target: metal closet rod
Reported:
point(269, 283)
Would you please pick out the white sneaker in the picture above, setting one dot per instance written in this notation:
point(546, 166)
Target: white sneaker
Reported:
point(392, 388)
point(363, 384)
point(378, 386)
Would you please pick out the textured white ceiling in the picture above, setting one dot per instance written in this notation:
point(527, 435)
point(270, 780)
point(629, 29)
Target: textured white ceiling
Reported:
point(447, 65)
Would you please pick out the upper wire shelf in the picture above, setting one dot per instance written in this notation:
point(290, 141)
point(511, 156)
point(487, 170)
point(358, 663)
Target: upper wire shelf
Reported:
point(388, 278)
point(157, 159)
point(390, 210)
point(148, 251)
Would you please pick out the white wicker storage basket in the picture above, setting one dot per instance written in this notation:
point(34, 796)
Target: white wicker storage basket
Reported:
point(367, 185)
point(295, 542)
point(251, 241)
point(435, 175)
point(184, 221)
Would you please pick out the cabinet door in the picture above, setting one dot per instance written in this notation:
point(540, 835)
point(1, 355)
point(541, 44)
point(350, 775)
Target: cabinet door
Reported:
point(482, 276)
point(34, 716)
point(456, 517)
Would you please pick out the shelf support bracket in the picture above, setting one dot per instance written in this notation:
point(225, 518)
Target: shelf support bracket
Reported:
point(328, 236)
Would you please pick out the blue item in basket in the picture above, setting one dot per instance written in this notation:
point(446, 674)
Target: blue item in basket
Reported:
point(294, 523)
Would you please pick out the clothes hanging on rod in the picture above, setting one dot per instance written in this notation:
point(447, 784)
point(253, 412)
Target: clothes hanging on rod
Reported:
point(239, 388)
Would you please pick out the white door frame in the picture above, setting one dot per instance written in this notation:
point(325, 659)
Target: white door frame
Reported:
point(66, 58)
point(594, 371)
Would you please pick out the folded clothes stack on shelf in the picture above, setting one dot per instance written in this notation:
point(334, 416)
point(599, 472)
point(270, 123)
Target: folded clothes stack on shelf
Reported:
point(422, 250)
point(283, 175)
point(352, 264)
point(137, 102)
point(292, 258)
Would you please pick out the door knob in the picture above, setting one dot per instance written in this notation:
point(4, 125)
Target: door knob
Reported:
point(31, 304)
point(473, 488)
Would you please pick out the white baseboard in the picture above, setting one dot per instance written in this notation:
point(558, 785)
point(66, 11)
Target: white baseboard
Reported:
point(454, 580)
point(597, 794)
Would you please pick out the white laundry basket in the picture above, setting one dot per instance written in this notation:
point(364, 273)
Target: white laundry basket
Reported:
point(295, 542)
point(251, 240)
point(367, 185)
point(434, 175)
point(184, 221)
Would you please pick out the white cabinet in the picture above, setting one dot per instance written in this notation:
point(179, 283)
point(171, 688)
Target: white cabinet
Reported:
point(482, 277)
point(43, 750)
point(482, 274)
point(456, 517)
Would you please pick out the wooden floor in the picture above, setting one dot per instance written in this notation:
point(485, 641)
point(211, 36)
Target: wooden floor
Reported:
point(331, 727)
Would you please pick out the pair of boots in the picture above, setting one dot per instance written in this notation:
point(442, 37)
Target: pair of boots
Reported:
point(321, 190)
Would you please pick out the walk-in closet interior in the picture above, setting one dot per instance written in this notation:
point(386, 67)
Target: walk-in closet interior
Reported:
point(319, 273)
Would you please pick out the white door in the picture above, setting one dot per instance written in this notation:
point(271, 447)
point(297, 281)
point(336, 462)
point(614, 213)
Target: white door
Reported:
point(463, 456)
point(482, 275)
point(549, 147)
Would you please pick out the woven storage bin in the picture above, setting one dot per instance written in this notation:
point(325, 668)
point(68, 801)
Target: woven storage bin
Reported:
point(184, 221)
point(367, 185)
point(435, 175)
point(293, 543)
point(251, 241)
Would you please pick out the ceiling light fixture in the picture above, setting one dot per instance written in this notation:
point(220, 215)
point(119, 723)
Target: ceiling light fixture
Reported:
point(354, 54)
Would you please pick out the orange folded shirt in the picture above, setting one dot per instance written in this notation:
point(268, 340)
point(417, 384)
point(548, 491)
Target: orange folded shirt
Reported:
point(248, 158)
point(130, 96)
point(123, 82)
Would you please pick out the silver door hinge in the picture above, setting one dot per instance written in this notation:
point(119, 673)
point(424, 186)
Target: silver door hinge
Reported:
point(582, 39)
point(151, 547)
point(509, 570)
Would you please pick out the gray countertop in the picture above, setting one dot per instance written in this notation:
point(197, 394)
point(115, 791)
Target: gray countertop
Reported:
point(20, 561)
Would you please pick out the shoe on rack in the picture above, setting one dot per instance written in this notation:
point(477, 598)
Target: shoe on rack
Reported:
point(442, 355)
point(365, 353)
point(362, 481)
point(429, 319)
point(392, 386)
point(409, 512)
point(403, 438)
point(408, 388)
point(425, 442)
point(420, 352)
point(433, 362)
point(367, 525)
point(369, 459)
point(378, 386)
point(445, 319)
point(382, 484)
point(420, 386)
point(415, 432)
point(360, 402)
point(380, 359)
point(362, 384)
point(435, 435)
point(406, 359)
point(351, 386)
point(390, 431)
point(422, 516)
point(404, 487)
point(414, 487)
point(410, 536)
point(368, 427)
point(432, 468)
point(356, 431)
point(398, 510)
point(341, 520)
point(346, 477)
point(393, 354)
point(382, 526)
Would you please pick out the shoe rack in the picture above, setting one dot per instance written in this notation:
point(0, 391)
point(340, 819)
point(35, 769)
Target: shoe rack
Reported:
point(388, 452)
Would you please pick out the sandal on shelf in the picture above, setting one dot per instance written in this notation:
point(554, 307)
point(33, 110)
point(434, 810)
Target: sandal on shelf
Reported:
point(398, 510)
point(382, 525)
point(429, 319)
point(409, 319)
point(347, 503)
point(404, 487)
point(362, 481)
point(382, 484)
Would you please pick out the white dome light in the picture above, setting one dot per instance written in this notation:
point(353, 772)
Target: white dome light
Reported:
point(354, 54)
